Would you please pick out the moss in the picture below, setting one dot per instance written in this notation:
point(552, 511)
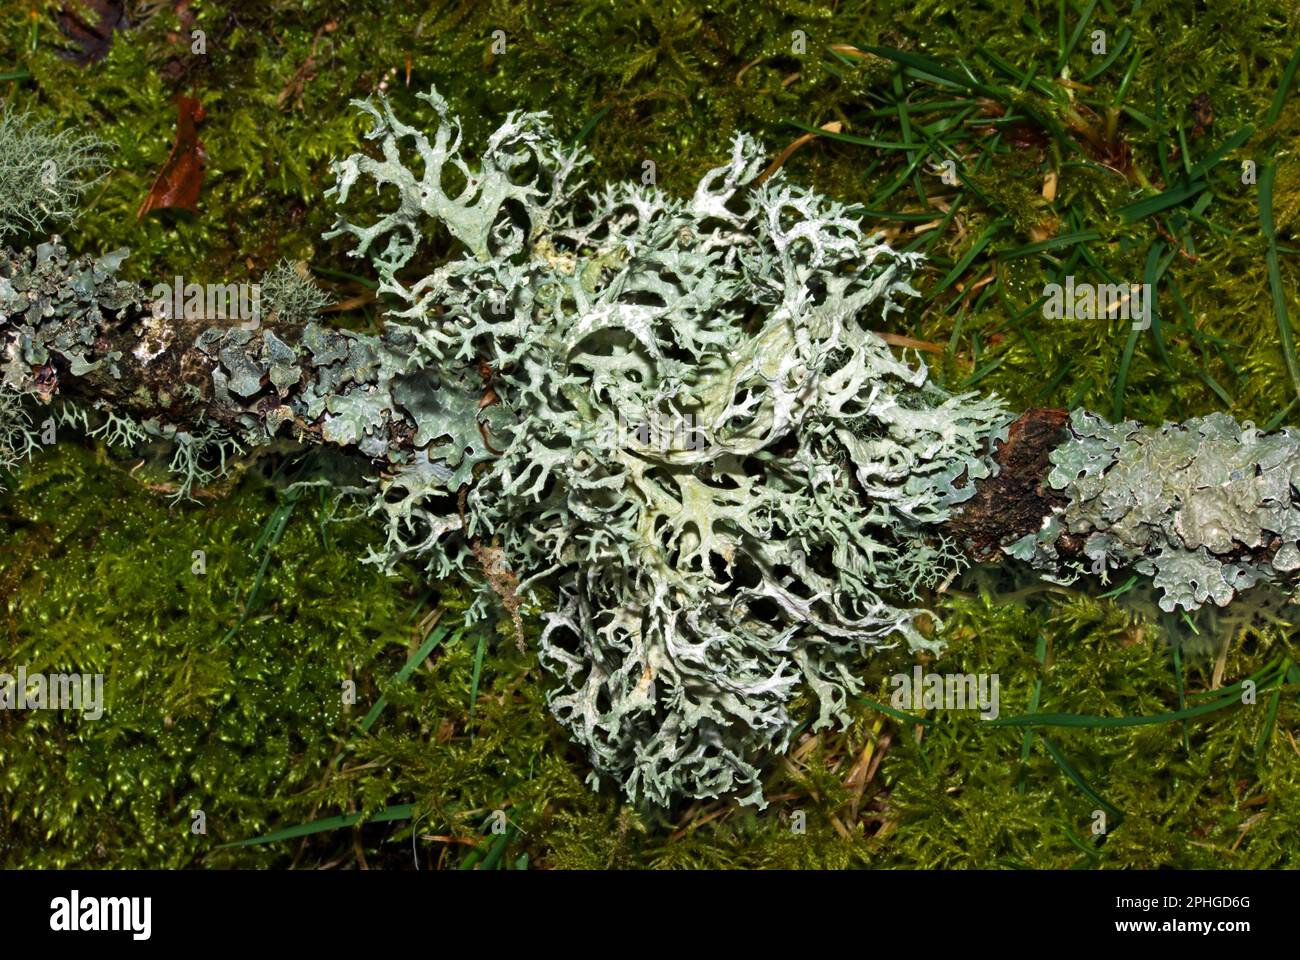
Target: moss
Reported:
point(190, 723)
point(959, 796)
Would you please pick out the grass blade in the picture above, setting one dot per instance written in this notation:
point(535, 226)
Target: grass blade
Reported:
point(960, 267)
point(1040, 654)
point(478, 673)
point(1074, 37)
point(1116, 813)
point(1161, 201)
point(1182, 692)
point(1267, 227)
point(896, 714)
point(1056, 243)
point(1270, 721)
point(1075, 720)
point(591, 124)
point(1202, 167)
point(344, 275)
point(1283, 89)
point(403, 811)
point(925, 65)
point(1121, 375)
point(272, 531)
point(434, 638)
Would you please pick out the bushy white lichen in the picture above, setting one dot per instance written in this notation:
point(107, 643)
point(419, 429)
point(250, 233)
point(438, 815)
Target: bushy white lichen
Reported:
point(114, 428)
point(701, 581)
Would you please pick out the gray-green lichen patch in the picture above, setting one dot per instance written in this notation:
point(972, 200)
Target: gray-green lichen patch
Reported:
point(706, 575)
point(1207, 508)
point(50, 304)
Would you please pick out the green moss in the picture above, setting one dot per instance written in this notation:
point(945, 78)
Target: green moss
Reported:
point(959, 796)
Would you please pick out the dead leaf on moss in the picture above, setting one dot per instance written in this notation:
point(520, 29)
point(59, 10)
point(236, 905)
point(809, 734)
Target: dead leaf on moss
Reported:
point(178, 183)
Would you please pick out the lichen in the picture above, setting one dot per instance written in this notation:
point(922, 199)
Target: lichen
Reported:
point(288, 295)
point(54, 305)
point(43, 172)
point(1206, 507)
point(705, 576)
point(18, 437)
point(701, 583)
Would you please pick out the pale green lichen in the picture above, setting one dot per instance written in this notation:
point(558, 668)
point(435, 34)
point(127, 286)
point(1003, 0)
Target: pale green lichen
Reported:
point(109, 425)
point(289, 297)
point(53, 307)
point(43, 172)
point(1207, 508)
point(702, 581)
point(18, 439)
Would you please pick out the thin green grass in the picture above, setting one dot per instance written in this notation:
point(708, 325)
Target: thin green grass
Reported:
point(434, 638)
point(402, 811)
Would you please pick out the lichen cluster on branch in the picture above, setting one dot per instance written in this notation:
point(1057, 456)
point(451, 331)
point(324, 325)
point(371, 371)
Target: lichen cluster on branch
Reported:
point(693, 582)
point(701, 584)
point(1206, 508)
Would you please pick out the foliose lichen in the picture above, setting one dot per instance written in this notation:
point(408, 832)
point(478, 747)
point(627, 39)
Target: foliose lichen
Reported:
point(1207, 507)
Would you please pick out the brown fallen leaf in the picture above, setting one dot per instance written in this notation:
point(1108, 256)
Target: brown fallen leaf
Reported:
point(178, 183)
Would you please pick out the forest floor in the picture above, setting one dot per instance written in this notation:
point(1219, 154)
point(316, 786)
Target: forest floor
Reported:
point(1015, 143)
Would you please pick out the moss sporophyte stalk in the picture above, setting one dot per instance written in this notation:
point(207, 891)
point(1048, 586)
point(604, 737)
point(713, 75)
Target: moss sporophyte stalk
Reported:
point(692, 584)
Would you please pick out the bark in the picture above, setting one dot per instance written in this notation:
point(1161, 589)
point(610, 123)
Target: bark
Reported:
point(1014, 501)
point(1208, 507)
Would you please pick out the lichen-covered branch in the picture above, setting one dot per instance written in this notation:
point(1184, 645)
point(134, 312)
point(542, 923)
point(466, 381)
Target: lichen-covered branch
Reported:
point(70, 329)
point(1206, 508)
point(810, 487)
